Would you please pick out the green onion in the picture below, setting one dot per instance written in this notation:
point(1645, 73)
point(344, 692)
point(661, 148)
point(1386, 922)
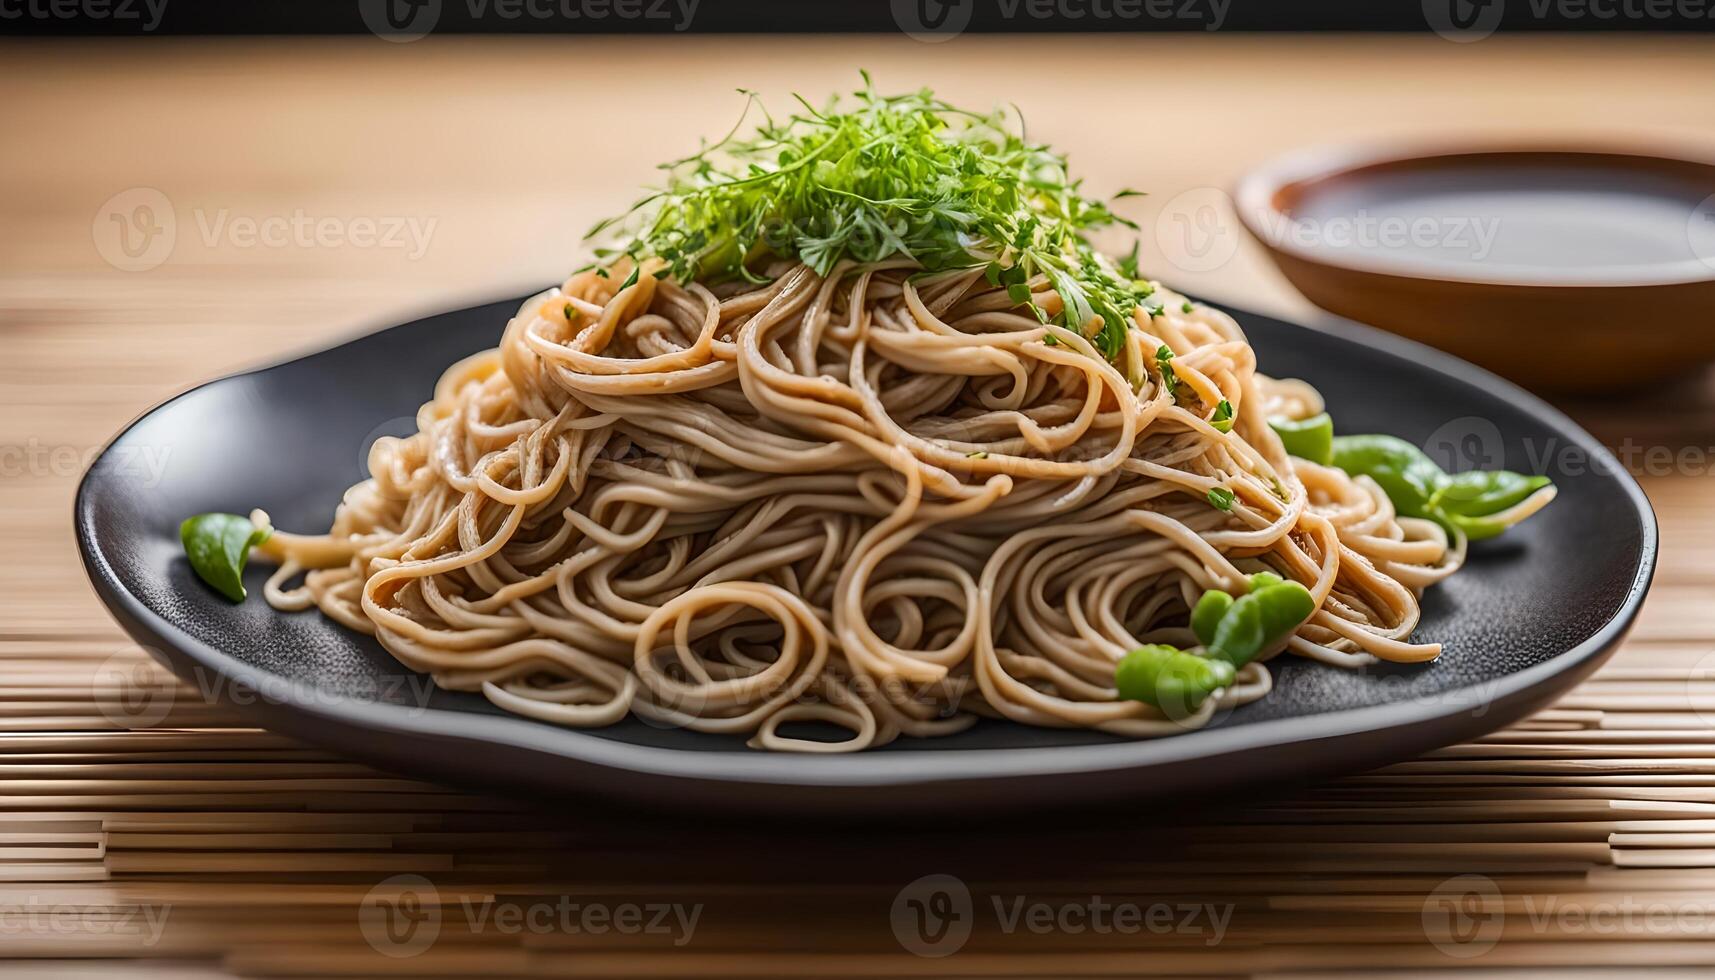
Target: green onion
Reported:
point(218, 546)
point(1221, 498)
point(1222, 419)
point(1164, 364)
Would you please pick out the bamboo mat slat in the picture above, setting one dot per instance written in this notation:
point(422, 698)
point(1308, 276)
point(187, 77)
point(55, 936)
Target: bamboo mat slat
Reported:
point(1578, 843)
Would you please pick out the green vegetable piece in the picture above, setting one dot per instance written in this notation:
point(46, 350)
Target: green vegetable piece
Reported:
point(1477, 502)
point(1260, 619)
point(1262, 580)
point(1221, 498)
point(1311, 438)
point(1169, 377)
point(1409, 478)
point(1206, 615)
point(218, 546)
point(1170, 679)
point(1481, 493)
point(1222, 419)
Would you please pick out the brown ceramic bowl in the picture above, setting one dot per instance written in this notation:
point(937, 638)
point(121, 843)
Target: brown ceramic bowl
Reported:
point(1564, 269)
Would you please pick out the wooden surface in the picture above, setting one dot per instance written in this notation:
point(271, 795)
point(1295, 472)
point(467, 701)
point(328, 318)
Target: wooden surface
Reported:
point(205, 848)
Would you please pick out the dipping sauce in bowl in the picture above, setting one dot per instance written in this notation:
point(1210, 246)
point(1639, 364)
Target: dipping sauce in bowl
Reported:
point(1558, 268)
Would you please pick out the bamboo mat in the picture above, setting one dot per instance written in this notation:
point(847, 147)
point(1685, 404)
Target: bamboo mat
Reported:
point(1578, 844)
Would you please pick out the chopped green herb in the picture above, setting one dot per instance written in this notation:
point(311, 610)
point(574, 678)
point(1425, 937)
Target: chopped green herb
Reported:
point(1185, 307)
point(879, 177)
point(979, 454)
point(1221, 498)
point(1222, 419)
point(630, 280)
point(572, 313)
point(1169, 377)
point(1128, 263)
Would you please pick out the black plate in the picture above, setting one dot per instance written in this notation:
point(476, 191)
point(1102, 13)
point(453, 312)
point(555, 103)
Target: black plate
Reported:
point(1532, 614)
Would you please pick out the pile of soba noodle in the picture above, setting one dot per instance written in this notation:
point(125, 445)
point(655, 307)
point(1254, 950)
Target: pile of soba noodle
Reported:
point(883, 499)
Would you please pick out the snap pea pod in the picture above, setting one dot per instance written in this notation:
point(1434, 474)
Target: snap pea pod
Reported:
point(1408, 477)
point(1169, 678)
point(218, 546)
point(1478, 502)
point(1237, 630)
point(1310, 438)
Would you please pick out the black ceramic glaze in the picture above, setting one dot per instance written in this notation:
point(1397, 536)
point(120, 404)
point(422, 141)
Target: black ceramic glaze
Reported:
point(1533, 613)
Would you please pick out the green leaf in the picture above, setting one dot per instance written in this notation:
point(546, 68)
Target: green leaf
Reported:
point(1128, 263)
point(218, 546)
point(1311, 438)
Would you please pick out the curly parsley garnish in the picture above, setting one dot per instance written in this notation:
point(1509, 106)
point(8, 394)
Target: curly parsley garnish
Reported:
point(880, 177)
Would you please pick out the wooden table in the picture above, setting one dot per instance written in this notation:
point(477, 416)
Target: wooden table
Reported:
point(204, 847)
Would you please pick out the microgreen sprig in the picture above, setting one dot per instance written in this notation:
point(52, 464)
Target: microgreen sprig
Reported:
point(880, 177)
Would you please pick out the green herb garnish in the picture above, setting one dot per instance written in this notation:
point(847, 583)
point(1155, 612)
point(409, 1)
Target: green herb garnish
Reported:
point(218, 546)
point(1222, 419)
point(1164, 363)
point(1221, 498)
point(880, 177)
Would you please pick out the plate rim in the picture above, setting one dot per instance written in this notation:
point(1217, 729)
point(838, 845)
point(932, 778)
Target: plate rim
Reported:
point(1254, 194)
point(920, 766)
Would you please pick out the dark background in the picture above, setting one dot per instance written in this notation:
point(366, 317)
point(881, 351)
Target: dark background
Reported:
point(784, 16)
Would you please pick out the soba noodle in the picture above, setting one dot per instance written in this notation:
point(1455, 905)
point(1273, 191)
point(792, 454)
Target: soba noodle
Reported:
point(882, 499)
